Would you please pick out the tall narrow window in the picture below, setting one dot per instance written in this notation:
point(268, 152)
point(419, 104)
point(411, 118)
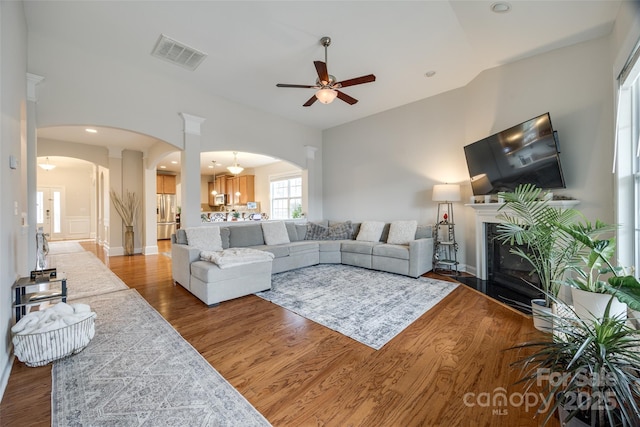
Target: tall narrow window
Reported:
point(628, 163)
point(286, 198)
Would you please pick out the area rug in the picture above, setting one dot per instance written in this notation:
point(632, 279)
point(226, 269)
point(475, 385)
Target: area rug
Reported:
point(86, 274)
point(138, 371)
point(64, 247)
point(369, 306)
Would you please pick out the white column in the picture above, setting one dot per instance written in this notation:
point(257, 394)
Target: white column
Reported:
point(150, 237)
point(115, 222)
point(30, 162)
point(314, 185)
point(190, 172)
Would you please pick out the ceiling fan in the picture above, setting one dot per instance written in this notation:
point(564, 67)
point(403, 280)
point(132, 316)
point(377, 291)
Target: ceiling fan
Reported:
point(326, 84)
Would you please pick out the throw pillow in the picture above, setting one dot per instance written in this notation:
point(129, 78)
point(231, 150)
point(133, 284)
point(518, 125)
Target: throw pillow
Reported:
point(340, 231)
point(204, 238)
point(275, 233)
point(370, 231)
point(316, 231)
point(401, 232)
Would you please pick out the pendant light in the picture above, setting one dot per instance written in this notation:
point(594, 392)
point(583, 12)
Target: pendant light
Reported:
point(47, 166)
point(214, 192)
point(235, 168)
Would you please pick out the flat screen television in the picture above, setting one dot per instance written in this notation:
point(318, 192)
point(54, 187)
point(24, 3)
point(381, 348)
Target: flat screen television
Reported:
point(525, 153)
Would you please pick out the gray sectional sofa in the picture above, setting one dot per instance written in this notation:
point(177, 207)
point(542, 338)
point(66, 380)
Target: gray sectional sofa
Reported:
point(308, 244)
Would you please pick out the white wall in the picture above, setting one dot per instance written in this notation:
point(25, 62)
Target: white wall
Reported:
point(13, 104)
point(384, 167)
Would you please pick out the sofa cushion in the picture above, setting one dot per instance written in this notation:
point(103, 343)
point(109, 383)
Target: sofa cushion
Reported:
point(424, 232)
point(358, 247)
point(278, 251)
point(330, 245)
point(292, 231)
point(245, 235)
point(181, 237)
point(275, 233)
point(392, 251)
point(299, 247)
point(204, 238)
point(340, 231)
point(370, 231)
point(301, 231)
point(402, 232)
point(316, 231)
point(224, 235)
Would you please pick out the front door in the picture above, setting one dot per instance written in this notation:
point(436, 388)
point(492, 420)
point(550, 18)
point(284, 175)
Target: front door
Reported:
point(49, 211)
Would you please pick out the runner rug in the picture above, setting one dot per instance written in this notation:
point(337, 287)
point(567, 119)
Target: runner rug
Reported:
point(86, 274)
point(368, 306)
point(137, 371)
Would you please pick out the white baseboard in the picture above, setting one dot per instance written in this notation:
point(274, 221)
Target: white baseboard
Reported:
point(4, 379)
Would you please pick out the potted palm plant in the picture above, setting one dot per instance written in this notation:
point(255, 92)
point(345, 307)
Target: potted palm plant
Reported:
point(589, 371)
point(528, 221)
point(597, 283)
point(127, 207)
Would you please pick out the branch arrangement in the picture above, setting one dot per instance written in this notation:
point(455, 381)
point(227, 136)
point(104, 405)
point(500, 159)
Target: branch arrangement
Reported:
point(127, 206)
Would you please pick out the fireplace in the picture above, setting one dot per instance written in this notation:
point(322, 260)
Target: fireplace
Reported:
point(509, 270)
point(500, 274)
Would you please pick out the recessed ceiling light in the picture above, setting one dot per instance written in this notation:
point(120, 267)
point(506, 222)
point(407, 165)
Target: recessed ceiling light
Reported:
point(173, 162)
point(500, 7)
point(163, 167)
point(430, 73)
point(91, 130)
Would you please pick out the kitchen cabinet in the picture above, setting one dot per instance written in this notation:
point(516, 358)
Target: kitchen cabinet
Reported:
point(165, 184)
point(210, 195)
point(244, 184)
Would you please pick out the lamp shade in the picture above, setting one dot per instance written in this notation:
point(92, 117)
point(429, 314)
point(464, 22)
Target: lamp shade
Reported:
point(326, 96)
point(446, 193)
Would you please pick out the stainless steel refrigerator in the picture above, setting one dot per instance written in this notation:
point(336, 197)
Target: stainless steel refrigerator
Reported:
point(166, 215)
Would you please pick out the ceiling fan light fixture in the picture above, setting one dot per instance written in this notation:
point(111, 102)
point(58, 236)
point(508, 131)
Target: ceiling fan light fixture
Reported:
point(326, 95)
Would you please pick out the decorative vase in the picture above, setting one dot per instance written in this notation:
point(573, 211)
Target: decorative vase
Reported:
point(128, 240)
point(591, 305)
point(541, 315)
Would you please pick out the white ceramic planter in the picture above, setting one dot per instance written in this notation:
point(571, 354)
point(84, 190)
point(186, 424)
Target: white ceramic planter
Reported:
point(590, 305)
point(540, 313)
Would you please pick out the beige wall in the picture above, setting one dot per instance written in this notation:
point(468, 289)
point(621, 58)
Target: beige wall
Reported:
point(384, 166)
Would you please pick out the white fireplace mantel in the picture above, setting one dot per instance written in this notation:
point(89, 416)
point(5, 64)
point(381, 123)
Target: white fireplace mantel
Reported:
point(488, 213)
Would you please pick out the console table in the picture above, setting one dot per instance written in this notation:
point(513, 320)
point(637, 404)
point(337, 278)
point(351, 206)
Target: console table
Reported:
point(57, 284)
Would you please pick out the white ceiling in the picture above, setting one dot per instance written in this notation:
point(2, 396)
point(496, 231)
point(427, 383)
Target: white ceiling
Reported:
point(251, 46)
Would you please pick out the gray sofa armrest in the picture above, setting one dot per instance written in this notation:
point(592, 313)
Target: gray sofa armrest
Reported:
point(181, 258)
point(420, 256)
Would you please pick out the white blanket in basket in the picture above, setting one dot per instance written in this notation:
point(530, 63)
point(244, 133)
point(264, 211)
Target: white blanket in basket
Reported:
point(43, 336)
point(235, 256)
point(56, 317)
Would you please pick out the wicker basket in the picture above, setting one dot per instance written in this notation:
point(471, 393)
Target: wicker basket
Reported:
point(39, 349)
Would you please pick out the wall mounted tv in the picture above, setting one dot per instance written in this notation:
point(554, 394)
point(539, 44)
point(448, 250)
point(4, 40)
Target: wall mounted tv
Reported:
point(525, 153)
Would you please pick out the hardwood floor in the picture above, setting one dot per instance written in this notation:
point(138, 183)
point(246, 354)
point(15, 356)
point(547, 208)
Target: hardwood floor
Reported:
point(298, 373)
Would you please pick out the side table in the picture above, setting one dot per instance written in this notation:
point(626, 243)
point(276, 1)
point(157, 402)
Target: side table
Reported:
point(57, 290)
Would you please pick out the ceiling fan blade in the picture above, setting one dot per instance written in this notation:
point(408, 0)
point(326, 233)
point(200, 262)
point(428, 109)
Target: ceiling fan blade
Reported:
point(357, 81)
point(321, 68)
point(346, 98)
point(288, 85)
point(310, 101)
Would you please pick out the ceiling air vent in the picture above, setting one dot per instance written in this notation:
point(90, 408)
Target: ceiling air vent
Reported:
point(178, 53)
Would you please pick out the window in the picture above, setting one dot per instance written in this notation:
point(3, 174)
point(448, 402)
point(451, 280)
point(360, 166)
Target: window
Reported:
point(286, 197)
point(628, 165)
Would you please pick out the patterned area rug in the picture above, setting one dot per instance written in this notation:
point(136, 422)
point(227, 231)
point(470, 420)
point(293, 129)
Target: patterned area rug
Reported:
point(369, 306)
point(86, 274)
point(139, 371)
point(64, 248)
